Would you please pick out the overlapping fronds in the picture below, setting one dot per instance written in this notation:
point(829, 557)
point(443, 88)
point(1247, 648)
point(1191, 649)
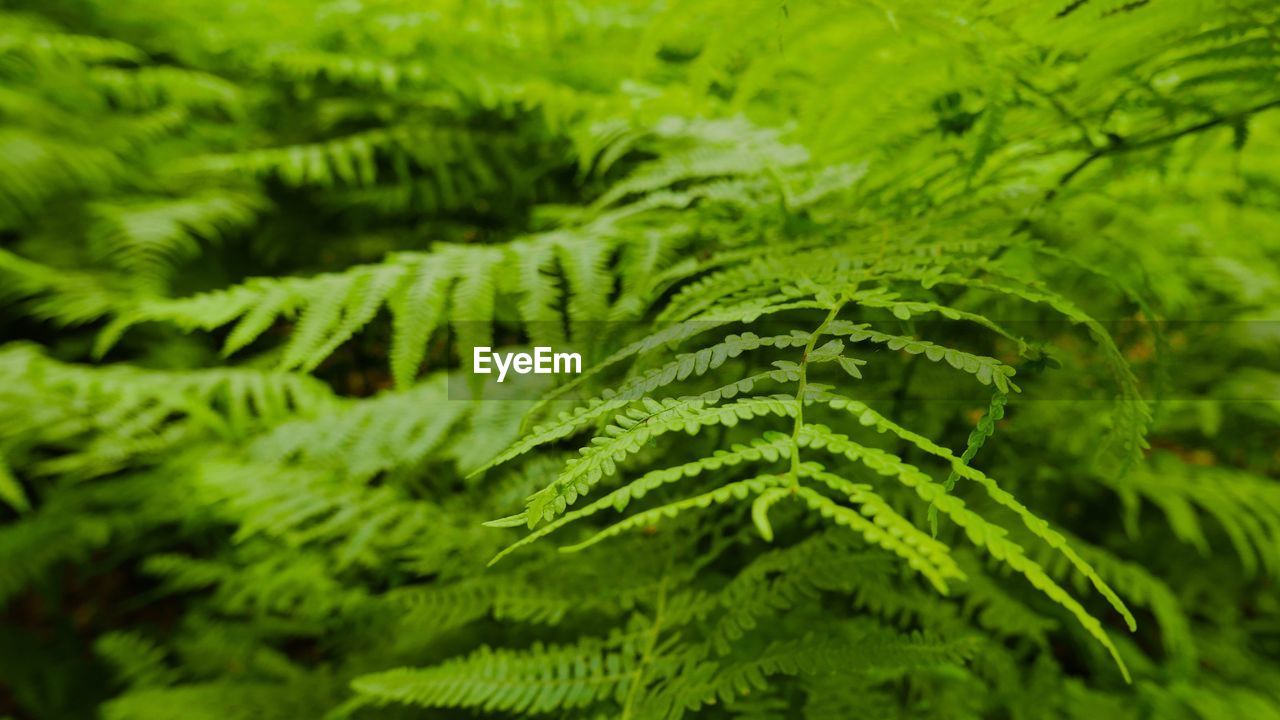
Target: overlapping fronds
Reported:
point(927, 353)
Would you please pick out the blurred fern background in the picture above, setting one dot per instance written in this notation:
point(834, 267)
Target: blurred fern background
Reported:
point(933, 359)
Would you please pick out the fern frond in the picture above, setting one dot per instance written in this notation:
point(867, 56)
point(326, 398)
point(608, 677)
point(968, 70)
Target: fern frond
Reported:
point(763, 150)
point(740, 490)
point(1246, 508)
point(419, 288)
point(1142, 588)
point(880, 525)
point(985, 428)
point(638, 427)
point(35, 545)
point(542, 679)
point(137, 660)
point(395, 429)
point(853, 650)
point(346, 68)
point(337, 309)
point(132, 402)
point(771, 447)
point(611, 401)
point(146, 88)
point(983, 534)
point(778, 579)
point(68, 46)
point(1036, 525)
point(11, 491)
point(148, 238)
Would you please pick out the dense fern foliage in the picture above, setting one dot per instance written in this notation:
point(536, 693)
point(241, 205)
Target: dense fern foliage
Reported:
point(931, 359)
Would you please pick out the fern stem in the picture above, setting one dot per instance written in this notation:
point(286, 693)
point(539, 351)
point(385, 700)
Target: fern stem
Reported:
point(654, 632)
point(1125, 146)
point(800, 389)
